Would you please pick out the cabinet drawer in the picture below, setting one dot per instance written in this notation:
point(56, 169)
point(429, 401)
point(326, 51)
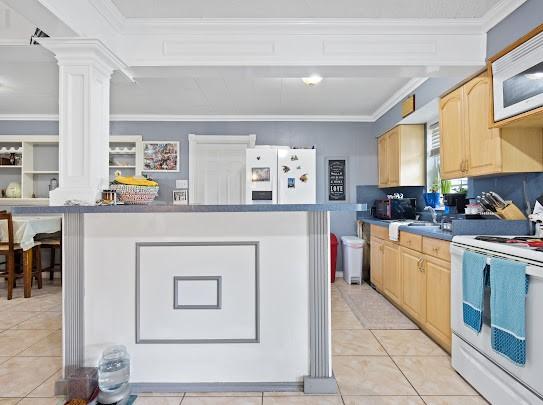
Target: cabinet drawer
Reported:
point(380, 232)
point(411, 241)
point(437, 248)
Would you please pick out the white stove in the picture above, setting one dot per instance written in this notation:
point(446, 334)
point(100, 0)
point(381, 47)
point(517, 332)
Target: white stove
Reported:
point(495, 377)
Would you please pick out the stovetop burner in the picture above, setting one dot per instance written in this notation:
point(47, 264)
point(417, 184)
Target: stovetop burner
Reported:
point(530, 242)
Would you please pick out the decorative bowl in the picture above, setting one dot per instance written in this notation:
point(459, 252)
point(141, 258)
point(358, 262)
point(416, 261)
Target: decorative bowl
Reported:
point(129, 194)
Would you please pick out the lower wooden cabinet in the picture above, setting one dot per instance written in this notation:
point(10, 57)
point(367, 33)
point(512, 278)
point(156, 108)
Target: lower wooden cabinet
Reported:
point(413, 283)
point(417, 281)
point(376, 262)
point(392, 276)
point(438, 300)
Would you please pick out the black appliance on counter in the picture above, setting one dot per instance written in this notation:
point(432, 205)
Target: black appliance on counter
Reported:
point(456, 202)
point(395, 208)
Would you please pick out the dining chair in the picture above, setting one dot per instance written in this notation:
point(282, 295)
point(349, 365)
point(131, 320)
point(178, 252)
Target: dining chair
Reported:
point(53, 244)
point(9, 249)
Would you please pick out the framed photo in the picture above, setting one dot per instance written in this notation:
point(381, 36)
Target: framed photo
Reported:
point(260, 174)
point(336, 179)
point(161, 156)
point(180, 197)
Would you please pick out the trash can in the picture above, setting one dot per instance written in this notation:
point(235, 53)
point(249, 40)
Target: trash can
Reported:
point(353, 251)
point(333, 256)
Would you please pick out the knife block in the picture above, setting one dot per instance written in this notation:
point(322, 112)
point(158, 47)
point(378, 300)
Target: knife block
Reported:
point(511, 212)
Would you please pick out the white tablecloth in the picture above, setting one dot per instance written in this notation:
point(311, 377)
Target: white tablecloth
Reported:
point(25, 228)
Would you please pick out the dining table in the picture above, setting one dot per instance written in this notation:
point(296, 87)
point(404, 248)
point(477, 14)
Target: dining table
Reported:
point(25, 229)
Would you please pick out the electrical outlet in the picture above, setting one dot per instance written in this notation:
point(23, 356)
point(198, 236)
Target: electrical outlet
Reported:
point(181, 184)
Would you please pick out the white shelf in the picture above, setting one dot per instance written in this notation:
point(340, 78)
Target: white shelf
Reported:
point(41, 172)
point(123, 167)
point(11, 166)
point(131, 151)
point(4, 150)
point(24, 201)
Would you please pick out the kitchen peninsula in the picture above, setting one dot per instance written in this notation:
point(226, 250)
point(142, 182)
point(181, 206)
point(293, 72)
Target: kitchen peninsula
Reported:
point(205, 298)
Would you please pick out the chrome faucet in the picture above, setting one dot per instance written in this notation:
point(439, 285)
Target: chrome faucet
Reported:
point(434, 214)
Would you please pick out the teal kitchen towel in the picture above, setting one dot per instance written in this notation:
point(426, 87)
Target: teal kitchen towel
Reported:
point(508, 289)
point(473, 284)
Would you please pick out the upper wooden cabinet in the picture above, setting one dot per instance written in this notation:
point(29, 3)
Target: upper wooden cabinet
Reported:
point(401, 156)
point(470, 148)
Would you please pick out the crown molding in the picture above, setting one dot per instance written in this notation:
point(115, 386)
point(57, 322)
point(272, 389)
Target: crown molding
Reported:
point(241, 118)
point(498, 13)
point(28, 117)
point(74, 48)
point(405, 91)
point(196, 118)
point(132, 25)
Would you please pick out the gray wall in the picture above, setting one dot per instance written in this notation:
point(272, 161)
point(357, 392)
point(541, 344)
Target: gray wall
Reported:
point(519, 23)
point(356, 141)
point(425, 93)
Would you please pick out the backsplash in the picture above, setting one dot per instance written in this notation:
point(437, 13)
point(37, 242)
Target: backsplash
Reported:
point(509, 187)
point(368, 195)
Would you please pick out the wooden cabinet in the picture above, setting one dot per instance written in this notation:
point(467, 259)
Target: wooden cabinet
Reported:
point(401, 157)
point(382, 153)
point(470, 148)
point(415, 275)
point(392, 277)
point(452, 135)
point(413, 283)
point(438, 300)
point(376, 262)
point(394, 157)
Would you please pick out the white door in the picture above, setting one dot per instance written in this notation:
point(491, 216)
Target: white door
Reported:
point(217, 168)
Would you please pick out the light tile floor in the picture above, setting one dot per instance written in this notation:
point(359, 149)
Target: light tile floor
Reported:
point(377, 359)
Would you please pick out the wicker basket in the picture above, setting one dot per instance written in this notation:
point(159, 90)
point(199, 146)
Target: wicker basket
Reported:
point(135, 194)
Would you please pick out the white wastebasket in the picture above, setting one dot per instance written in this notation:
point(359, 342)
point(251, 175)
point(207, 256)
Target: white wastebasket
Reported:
point(352, 259)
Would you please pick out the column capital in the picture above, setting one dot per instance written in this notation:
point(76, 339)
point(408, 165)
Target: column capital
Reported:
point(88, 51)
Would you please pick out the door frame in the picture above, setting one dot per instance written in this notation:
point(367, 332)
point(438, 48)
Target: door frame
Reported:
point(195, 140)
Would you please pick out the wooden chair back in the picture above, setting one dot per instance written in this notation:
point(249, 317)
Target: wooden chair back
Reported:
point(5, 216)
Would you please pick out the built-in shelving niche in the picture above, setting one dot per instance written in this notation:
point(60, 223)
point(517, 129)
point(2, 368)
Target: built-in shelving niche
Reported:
point(37, 159)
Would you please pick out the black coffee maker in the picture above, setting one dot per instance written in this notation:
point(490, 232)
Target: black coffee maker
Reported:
point(456, 202)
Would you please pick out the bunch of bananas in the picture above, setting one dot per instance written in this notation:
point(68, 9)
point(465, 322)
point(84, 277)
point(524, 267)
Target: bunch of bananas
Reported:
point(135, 181)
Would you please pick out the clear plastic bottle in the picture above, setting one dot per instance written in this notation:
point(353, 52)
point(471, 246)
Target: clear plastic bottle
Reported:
point(114, 369)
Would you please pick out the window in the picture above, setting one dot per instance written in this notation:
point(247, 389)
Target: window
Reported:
point(433, 178)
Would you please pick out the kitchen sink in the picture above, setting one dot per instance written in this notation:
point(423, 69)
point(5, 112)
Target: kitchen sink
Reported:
point(423, 223)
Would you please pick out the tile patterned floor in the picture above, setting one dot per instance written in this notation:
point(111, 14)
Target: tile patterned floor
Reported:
point(379, 357)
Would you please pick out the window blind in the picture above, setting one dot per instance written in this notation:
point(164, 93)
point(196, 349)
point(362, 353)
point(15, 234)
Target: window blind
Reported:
point(434, 139)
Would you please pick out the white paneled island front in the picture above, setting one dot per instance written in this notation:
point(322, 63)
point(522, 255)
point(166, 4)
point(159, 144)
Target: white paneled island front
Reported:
point(205, 298)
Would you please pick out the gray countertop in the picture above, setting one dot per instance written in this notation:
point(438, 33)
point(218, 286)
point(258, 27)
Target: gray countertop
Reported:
point(432, 232)
point(158, 208)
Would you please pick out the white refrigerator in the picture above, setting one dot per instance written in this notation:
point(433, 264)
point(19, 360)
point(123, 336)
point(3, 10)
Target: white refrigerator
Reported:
point(296, 176)
point(278, 174)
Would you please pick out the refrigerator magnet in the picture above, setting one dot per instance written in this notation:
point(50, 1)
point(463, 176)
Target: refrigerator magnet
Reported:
point(291, 182)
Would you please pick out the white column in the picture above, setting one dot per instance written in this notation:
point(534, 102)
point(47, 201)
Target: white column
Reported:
point(85, 68)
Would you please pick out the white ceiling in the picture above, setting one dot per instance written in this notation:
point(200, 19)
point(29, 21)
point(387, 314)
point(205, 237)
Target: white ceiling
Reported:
point(29, 85)
point(304, 8)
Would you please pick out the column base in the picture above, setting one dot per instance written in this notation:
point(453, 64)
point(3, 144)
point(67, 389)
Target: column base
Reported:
point(320, 385)
point(86, 196)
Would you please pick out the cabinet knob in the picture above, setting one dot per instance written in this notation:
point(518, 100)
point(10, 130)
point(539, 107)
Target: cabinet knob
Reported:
point(436, 249)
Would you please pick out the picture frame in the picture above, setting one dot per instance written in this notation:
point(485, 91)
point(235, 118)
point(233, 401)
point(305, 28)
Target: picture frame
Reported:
point(180, 196)
point(261, 174)
point(161, 156)
point(337, 179)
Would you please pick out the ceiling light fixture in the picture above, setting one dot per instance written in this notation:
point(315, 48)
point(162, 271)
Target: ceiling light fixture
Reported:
point(312, 80)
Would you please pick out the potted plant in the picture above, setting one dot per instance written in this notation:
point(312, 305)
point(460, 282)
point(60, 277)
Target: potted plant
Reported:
point(431, 198)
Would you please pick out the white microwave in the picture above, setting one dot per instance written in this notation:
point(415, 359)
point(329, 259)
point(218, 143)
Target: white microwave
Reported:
point(518, 79)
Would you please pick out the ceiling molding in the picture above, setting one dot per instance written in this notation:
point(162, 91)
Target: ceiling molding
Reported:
point(197, 118)
point(498, 13)
point(402, 93)
point(242, 118)
point(28, 117)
